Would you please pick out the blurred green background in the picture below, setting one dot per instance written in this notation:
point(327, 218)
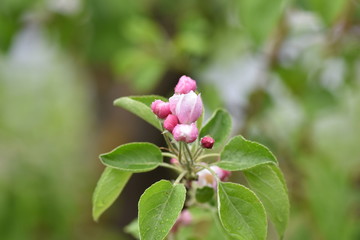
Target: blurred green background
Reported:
point(288, 72)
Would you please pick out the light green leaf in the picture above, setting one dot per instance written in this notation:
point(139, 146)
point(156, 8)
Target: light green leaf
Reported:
point(141, 68)
point(133, 228)
point(108, 188)
point(200, 120)
point(140, 106)
point(159, 207)
point(329, 11)
point(133, 157)
point(241, 212)
point(241, 154)
point(280, 176)
point(269, 187)
point(260, 27)
point(218, 127)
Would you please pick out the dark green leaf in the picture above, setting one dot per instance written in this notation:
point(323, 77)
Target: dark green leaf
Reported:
point(133, 157)
point(140, 106)
point(240, 154)
point(269, 187)
point(241, 212)
point(218, 127)
point(204, 194)
point(108, 188)
point(159, 207)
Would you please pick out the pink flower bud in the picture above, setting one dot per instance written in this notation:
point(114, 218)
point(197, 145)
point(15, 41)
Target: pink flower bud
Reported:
point(174, 161)
point(187, 107)
point(185, 85)
point(184, 219)
point(207, 142)
point(222, 174)
point(170, 122)
point(205, 178)
point(185, 133)
point(160, 108)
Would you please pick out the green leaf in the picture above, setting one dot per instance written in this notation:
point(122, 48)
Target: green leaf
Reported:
point(260, 27)
point(140, 106)
point(133, 157)
point(204, 194)
point(218, 231)
point(218, 127)
point(159, 207)
point(269, 187)
point(200, 120)
point(108, 188)
point(241, 154)
point(241, 212)
point(328, 11)
point(141, 68)
point(133, 228)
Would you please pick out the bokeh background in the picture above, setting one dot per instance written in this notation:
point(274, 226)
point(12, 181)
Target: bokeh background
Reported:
point(287, 71)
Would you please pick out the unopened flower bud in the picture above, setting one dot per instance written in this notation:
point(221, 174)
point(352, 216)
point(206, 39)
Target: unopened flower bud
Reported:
point(174, 161)
point(207, 142)
point(187, 107)
point(184, 219)
point(185, 85)
point(170, 122)
point(221, 173)
point(185, 132)
point(160, 108)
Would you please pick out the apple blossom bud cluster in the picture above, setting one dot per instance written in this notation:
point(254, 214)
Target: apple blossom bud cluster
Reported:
point(182, 111)
point(199, 182)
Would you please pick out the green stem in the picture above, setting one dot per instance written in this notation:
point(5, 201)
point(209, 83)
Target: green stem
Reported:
point(197, 153)
point(180, 177)
point(186, 162)
point(171, 146)
point(167, 140)
point(170, 166)
point(207, 156)
point(180, 154)
point(189, 153)
point(170, 155)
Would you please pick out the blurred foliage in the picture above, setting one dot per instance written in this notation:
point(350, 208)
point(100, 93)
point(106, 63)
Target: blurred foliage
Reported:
point(287, 70)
